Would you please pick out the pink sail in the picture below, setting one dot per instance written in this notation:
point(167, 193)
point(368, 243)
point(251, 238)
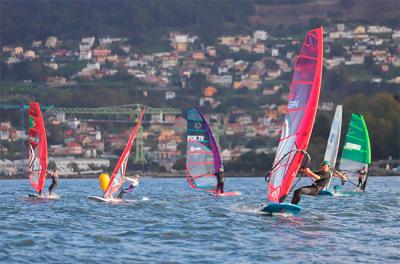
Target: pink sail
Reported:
point(300, 116)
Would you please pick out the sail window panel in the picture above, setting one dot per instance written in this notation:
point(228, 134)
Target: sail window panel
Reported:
point(310, 46)
point(299, 95)
point(200, 169)
point(197, 152)
point(294, 121)
point(206, 182)
point(304, 70)
point(284, 147)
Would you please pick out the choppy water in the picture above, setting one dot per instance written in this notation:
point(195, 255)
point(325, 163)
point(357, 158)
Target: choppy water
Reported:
point(181, 225)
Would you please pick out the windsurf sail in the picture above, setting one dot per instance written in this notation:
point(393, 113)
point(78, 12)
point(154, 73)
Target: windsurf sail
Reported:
point(202, 156)
point(300, 116)
point(118, 176)
point(332, 146)
point(356, 152)
point(37, 164)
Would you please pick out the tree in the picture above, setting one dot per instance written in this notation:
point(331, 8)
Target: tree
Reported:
point(180, 164)
point(75, 168)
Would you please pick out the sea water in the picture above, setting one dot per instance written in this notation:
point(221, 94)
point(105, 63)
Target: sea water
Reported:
point(167, 222)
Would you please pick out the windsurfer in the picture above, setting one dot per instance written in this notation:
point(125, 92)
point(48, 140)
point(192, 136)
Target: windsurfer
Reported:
point(361, 178)
point(53, 173)
point(134, 182)
point(322, 178)
point(220, 180)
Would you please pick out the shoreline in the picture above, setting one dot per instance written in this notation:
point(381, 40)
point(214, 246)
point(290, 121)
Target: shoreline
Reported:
point(158, 176)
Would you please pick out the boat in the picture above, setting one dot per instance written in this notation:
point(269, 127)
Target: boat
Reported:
point(298, 123)
point(203, 159)
point(332, 148)
point(37, 161)
point(117, 178)
point(356, 152)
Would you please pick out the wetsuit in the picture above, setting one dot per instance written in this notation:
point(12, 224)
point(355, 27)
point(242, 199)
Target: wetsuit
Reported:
point(131, 187)
point(362, 173)
point(54, 183)
point(313, 189)
point(220, 184)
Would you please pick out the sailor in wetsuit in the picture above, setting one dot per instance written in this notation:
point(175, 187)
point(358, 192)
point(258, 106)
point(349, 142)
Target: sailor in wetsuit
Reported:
point(220, 180)
point(134, 183)
point(53, 173)
point(362, 173)
point(322, 179)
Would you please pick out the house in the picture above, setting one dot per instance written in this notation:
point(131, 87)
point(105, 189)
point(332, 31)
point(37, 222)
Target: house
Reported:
point(51, 42)
point(179, 42)
point(73, 148)
point(170, 95)
point(56, 81)
point(260, 35)
point(85, 55)
point(274, 73)
point(88, 41)
point(357, 58)
point(210, 91)
point(259, 48)
point(99, 52)
point(93, 66)
point(198, 55)
point(36, 43)
point(244, 119)
point(211, 51)
point(223, 80)
point(5, 125)
point(18, 50)
point(226, 155)
point(30, 54)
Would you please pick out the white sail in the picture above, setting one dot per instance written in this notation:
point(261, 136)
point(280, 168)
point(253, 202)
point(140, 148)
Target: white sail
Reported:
point(332, 146)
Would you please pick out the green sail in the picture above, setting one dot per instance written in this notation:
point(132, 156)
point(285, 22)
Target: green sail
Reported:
point(357, 146)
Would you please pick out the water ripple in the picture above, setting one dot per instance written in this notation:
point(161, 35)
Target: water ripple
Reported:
point(167, 222)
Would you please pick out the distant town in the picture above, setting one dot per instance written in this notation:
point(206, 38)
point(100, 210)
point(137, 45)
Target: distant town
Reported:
point(81, 145)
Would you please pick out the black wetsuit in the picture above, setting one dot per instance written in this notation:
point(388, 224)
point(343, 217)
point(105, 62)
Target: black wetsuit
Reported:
point(314, 189)
point(361, 177)
point(220, 184)
point(54, 183)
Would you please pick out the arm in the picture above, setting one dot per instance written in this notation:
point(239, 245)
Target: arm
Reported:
point(134, 182)
point(309, 173)
point(340, 175)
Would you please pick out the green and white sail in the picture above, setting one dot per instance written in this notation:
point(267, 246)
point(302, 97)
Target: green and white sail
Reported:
point(356, 152)
point(332, 146)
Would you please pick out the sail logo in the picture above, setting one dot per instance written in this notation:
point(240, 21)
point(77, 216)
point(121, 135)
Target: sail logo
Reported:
point(293, 104)
point(195, 138)
point(34, 139)
point(351, 146)
point(195, 148)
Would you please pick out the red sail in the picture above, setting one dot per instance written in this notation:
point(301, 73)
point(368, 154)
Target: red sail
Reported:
point(118, 175)
point(37, 147)
point(300, 116)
